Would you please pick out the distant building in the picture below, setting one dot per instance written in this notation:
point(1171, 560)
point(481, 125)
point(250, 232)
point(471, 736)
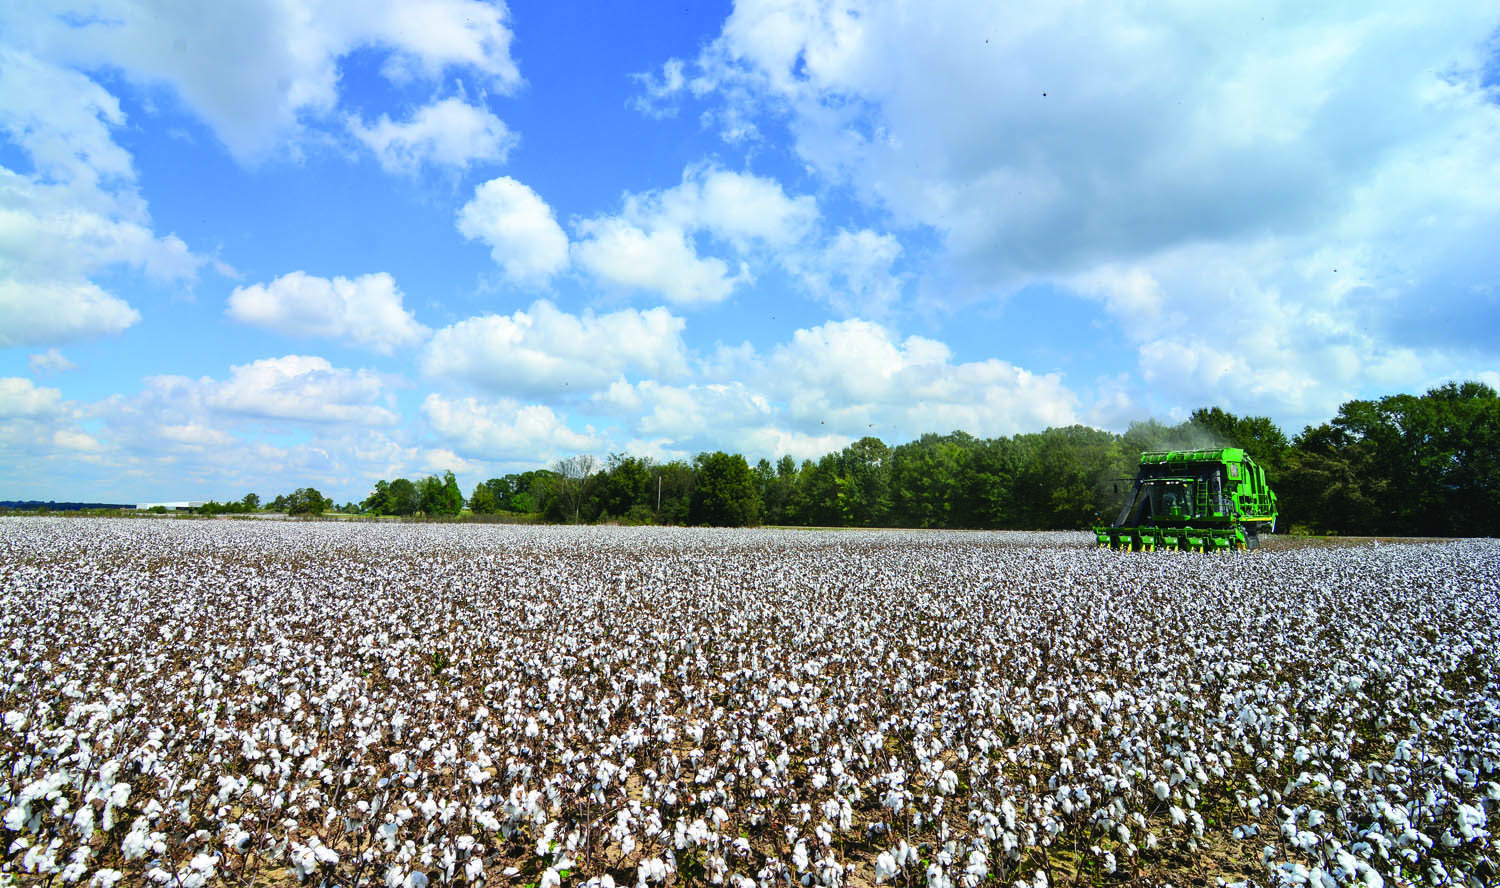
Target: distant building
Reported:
point(180, 506)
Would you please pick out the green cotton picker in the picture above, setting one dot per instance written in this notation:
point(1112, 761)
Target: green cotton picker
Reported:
point(1194, 500)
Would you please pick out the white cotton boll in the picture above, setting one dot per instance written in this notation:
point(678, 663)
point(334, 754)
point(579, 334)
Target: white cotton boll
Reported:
point(83, 821)
point(1161, 789)
point(1470, 821)
point(105, 878)
point(885, 867)
point(653, 870)
point(978, 866)
point(799, 856)
point(417, 879)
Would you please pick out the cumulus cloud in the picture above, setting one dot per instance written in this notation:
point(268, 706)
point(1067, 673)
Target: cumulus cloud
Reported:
point(660, 261)
point(71, 439)
point(1308, 333)
point(851, 376)
point(679, 412)
point(365, 311)
point(1182, 125)
point(1285, 143)
point(44, 312)
point(546, 351)
point(523, 235)
point(450, 133)
point(262, 67)
point(22, 397)
point(304, 388)
point(854, 272)
point(741, 208)
point(504, 429)
point(75, 213)
point(49, 361)
point(831, 384)
point(651, 244)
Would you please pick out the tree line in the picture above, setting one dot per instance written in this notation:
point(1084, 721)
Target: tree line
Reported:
point(1400, 465)
point(1404, 465)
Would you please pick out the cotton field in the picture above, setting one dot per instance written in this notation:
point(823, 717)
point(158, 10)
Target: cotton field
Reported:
point(197, 703)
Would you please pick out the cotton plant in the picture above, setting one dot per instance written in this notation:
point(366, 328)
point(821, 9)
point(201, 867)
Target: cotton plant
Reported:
point(434, 704)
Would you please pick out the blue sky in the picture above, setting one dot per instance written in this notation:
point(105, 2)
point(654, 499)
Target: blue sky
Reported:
point(254, 246)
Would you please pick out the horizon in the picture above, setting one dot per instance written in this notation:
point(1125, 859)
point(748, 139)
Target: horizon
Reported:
point(334, 243)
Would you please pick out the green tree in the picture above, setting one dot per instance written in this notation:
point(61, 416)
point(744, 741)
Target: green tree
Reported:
point(1329, 484)
point(863, 483)
point(625, 483)
point(569, 486)
point(482, 501)
point(931, 483)
point(724, 494)
point(452, 500)
point(818, 487)
point(1256, 435)
point(440, 495)
point(307, 501)
point(1404, 465)
point(251, 502)
point(677, 480)
point(402, 498)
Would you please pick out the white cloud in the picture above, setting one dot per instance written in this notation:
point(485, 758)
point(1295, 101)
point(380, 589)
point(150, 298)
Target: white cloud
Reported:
point(441, 459)
point(854, 378)
point(505, 429)
point(76, 213)
point(545, 351)
point(295, 387)
point(447, 133)
point(43, 313)
point(829, 385)
point(686, 411)
point(366, 311)
point(523, 235)
point(854, 272)
point(255, 71)
point(21, 397)
point(651, 244)
point(62, 119)
point(659, 261)
point(1307, 333)
point(740, 208)
point(1183, 125)
point(49, 361)
point(1202, 160)
point(195, 435)
point(69, 439)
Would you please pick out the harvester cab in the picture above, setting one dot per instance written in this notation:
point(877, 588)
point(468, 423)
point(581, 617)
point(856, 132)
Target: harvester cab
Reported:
point(1195, 500)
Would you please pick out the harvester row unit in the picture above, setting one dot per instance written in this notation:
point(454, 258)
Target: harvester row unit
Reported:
point(1194, 500)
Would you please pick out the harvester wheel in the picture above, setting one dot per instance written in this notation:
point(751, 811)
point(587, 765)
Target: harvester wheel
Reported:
point(1252, 540)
